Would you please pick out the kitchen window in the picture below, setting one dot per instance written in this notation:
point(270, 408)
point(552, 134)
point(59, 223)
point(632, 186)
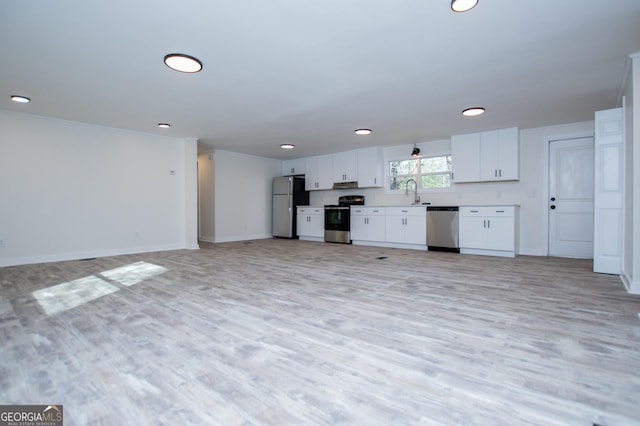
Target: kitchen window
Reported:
point(430, 173)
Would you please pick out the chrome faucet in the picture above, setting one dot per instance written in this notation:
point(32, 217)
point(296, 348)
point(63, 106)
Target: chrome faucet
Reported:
point(416, 198)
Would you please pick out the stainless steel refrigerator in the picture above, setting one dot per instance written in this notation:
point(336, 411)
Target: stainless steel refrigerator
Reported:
point(288, 193)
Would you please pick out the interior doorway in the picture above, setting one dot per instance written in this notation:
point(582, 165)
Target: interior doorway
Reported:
point(570, 203)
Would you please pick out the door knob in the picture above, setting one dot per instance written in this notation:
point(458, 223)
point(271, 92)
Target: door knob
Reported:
point(553, 207)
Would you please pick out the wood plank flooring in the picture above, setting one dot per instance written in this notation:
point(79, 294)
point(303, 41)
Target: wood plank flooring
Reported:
point(279, 332)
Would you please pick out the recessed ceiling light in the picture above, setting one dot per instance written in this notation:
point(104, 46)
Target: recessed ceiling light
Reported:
point(164, 125)
point(20, 99)
point(183, 63)
point(463, 5)
point(363, 131)
point(287, 146)
point(472, 112)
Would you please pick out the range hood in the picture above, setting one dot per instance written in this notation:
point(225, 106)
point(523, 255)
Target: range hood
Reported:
point(345, 185)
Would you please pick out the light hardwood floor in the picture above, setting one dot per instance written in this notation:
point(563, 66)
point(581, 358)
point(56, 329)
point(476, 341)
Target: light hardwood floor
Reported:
point(284, 332)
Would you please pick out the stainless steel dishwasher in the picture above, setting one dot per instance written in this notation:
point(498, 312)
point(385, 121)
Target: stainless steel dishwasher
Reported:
point(442, 228)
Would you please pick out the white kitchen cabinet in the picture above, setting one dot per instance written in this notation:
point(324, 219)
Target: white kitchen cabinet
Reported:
point(499, 155)
point(345, 166)
point(486, 156)
point(310, 223)
point(293, 167)
point(370, 167)
point(465, 157)
point(367, 224)
point(489, 230)
point(319, 172)
point(407, 225)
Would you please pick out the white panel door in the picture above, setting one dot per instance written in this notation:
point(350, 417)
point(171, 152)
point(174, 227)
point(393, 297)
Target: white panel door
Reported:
point(607, 238)
point(571, 198)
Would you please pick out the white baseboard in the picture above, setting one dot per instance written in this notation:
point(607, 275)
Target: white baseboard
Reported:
point(60, 257)
point(479, 252)
point(532, 252)
point(241, 238)
point(315, 239)
point(633, 287)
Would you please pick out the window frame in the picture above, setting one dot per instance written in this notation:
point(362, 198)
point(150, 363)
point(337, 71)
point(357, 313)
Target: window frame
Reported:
point(418, 175)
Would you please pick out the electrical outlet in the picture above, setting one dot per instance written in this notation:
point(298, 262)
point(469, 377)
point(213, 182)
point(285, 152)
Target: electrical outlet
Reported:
point(2, 243)
point(137, 236)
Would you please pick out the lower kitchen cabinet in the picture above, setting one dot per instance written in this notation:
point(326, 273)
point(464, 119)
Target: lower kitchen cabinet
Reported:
point(367, 224)
point(407, 226)
point(489, 231)
point(310, 223)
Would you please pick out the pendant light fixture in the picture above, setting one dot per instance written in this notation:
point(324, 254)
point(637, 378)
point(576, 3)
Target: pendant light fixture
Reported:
point(416, 151)
point(463, 5)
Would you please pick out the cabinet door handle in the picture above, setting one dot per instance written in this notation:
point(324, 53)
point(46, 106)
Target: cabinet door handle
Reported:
point(474, 211)
point(499, 211)
point(488, 223)
point(484, 223)
point(500, 172)
point(495, 172)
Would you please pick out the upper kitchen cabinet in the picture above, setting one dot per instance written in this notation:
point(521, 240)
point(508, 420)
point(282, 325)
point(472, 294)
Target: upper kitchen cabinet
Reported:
point(499, 159)
point(319, 172)
point(370, 161)
point(293, 167)
point(486, 156)
point(465, 157)
point(345, 166)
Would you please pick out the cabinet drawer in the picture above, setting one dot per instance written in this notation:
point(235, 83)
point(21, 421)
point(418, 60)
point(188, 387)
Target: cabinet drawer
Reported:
point(367, 211)
point(407, 211)
point(310, 210)
point(501, 211)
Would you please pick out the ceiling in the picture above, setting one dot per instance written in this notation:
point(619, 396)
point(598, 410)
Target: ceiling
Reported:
point(311, 72)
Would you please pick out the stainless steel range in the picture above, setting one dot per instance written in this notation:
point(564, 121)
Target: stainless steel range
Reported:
point(336, 219)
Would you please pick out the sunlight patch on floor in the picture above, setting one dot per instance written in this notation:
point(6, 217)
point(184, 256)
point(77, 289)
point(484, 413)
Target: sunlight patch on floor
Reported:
point(68, 295)
point(134, 273)
point(71, 294)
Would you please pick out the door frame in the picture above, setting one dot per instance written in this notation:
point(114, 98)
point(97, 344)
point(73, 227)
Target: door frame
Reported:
point(545, 176)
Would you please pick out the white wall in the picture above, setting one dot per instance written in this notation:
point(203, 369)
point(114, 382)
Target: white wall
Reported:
point(631, 204)
point(70, 190)
point(206, 200)
point(530, 192)
point(242, 196)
